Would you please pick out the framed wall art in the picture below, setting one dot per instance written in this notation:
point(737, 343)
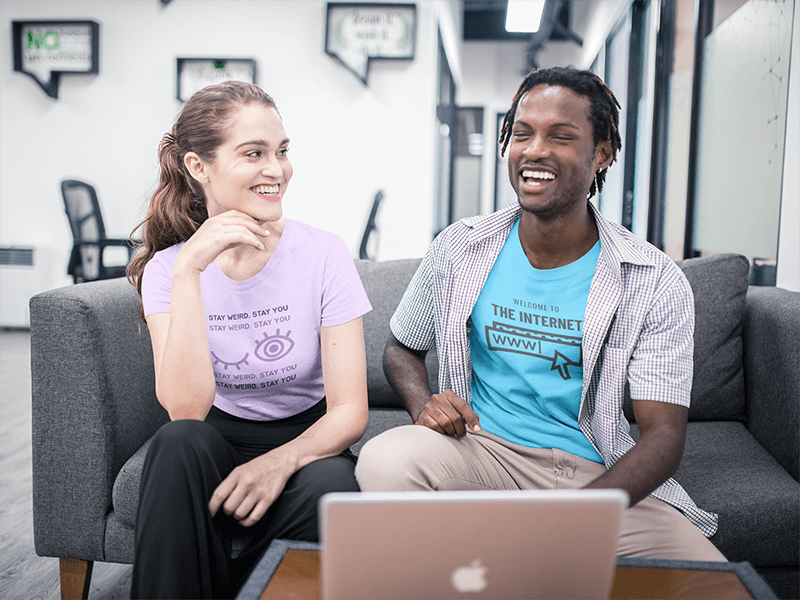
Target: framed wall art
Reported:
point(44, 50)
point(196, 73)
point(357, 34)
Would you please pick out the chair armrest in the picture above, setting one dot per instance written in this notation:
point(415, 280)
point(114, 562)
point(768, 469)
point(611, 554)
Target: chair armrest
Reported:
point(93, 405)
point(772, 372)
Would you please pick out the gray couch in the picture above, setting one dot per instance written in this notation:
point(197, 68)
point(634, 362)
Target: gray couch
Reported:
point(94, 410)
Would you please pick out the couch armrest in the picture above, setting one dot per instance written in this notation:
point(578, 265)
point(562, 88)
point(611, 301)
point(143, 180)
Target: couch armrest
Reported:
point(772, 372)
point(93, 403)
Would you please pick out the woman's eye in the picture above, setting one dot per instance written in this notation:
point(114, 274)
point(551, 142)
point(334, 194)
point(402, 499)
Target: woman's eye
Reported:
point(254, 154)
point(283, 152)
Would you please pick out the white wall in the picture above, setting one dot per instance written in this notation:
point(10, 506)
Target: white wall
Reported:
point(348, 140)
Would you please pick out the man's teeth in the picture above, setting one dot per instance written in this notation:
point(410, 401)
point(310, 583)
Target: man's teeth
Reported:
point(537, 175)
point(266, 189)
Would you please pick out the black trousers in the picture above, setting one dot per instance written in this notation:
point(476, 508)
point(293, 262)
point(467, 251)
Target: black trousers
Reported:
point(180, 551)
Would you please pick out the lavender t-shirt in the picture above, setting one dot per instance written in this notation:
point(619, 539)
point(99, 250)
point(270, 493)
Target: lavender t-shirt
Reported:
point(264, 332)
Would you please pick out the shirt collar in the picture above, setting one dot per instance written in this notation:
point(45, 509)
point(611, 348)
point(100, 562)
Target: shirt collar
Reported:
point(616, 242)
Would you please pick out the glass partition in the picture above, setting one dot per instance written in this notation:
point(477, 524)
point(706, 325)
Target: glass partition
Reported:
point(742, 125)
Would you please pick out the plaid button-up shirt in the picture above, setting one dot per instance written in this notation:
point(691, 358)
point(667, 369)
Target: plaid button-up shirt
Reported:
point(638, 328)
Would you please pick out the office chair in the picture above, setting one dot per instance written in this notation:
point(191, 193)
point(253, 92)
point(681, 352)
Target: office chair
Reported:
point(89, 234)
point(363, 253)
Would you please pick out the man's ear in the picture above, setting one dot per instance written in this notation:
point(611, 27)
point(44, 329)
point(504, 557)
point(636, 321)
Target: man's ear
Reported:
point(196, 167)
point(603, 155)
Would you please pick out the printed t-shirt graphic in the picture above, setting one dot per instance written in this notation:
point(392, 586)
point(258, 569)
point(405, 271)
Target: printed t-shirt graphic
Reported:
point(264, 333)
point(526, 347)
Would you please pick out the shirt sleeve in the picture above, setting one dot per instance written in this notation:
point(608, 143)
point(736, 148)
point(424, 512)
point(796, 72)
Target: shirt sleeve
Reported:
point(156, 285)
point(662, 363)
point(343, 295)
point(413, 323)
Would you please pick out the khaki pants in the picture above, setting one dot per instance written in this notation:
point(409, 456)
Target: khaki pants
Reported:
point(415, 458)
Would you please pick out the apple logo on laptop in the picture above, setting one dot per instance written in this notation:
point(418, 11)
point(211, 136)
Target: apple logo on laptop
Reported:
point(471, 578)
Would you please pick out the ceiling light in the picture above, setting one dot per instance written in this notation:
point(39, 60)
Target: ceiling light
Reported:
point(524, 15)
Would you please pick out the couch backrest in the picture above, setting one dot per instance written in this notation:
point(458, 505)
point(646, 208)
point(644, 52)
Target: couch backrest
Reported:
point(719, 284)
point(385, 283)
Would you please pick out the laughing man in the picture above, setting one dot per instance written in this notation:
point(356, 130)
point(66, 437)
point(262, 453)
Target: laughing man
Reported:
point(541, 313)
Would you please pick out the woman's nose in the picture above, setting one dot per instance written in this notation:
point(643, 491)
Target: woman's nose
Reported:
point(271, 168)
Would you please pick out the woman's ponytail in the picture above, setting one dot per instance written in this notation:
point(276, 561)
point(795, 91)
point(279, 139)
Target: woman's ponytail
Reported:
point(177, 209)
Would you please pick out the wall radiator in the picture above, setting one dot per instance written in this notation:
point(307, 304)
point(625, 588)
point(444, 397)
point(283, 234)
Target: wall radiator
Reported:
point(24, 272)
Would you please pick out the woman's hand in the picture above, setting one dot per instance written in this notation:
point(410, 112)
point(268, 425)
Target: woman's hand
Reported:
point(217, 234)
point(250, 489)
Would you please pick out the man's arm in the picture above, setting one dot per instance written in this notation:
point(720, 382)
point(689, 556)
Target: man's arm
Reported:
point(408, 377)
point(656, 456)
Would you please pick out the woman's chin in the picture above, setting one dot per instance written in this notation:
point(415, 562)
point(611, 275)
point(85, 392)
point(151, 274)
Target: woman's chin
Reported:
point(269, 215)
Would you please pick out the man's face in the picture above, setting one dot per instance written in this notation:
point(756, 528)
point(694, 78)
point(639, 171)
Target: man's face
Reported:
point(552, 158)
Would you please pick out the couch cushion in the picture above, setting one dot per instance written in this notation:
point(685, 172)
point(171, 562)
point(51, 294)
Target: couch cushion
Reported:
point(719, 283)
point(726, 471)
point(385, 283)
point(125, 493)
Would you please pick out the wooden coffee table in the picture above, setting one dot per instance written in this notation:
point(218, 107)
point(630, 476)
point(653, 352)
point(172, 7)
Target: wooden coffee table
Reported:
point(291, 570)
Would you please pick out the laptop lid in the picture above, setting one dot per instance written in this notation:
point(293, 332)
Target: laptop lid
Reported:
point(488, 544)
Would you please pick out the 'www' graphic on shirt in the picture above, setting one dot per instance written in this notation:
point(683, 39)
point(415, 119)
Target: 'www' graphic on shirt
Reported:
point(562, 351)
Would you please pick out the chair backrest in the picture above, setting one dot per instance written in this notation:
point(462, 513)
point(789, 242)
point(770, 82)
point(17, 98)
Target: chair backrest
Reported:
point(86, 223)
point(363, 251)
point(83, 211)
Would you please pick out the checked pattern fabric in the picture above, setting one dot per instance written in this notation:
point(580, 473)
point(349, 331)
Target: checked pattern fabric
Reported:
point(638, 328)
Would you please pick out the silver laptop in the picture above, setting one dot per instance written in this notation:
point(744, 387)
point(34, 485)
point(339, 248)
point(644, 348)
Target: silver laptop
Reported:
point(490, 545)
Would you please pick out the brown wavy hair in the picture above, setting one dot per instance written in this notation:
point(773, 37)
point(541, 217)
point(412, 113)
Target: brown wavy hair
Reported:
point(178, 206)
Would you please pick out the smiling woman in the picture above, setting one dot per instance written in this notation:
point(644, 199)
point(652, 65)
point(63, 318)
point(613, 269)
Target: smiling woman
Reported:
point(253, 160)
point(262, 409)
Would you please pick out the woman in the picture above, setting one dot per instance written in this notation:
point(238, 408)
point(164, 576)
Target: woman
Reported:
point(255, 322)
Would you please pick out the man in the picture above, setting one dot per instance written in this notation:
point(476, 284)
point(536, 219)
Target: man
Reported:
point(541, 314)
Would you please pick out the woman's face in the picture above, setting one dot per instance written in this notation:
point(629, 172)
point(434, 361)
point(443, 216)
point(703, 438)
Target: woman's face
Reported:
point(251, 170)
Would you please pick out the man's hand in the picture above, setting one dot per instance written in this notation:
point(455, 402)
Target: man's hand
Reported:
point(448, 414)
point(250, 489)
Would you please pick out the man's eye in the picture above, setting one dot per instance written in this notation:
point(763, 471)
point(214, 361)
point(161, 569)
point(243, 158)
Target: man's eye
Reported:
point(283, 152)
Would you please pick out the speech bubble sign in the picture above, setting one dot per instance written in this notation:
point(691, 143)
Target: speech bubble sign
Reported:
point(196, 73)
point(356, 34)
point(45, 49)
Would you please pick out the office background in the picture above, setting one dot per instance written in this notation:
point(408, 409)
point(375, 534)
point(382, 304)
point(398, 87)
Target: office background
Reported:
point(711, 140)
point(704, 126)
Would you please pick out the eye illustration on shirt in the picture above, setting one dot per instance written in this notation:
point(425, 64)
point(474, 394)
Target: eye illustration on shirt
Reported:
point(226, 364)
point(274, 347)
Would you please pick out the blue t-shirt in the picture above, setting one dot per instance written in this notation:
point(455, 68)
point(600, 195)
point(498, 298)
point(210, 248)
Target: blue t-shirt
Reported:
point(526, 346)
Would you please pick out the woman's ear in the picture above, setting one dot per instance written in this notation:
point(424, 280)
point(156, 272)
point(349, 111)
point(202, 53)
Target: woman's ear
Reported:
point(196, 167)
